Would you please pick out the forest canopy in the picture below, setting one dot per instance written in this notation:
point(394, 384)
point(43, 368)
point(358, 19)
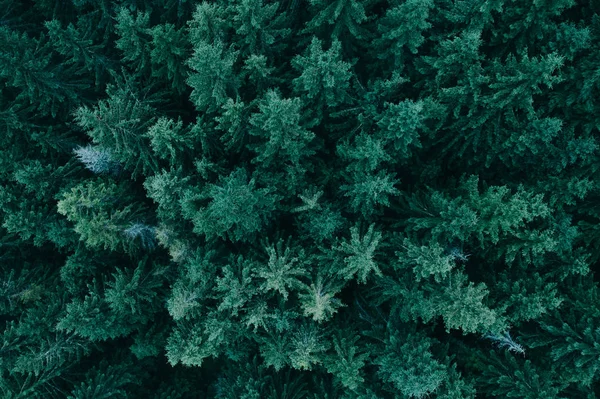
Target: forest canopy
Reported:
point(320, 199)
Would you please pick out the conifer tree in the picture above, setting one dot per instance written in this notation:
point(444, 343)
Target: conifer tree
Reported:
point(118, 124)
point(324, 76)
point(212, 79)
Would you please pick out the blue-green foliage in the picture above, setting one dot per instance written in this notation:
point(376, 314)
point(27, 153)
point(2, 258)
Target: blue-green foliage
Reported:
point(353, 199)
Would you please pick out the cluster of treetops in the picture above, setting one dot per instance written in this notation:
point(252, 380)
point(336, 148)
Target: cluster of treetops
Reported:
point(288, 199)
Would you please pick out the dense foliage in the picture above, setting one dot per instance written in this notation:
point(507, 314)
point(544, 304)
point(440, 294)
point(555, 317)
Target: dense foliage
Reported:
point(245, 199)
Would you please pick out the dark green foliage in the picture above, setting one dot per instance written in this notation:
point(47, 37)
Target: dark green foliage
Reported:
point(346, 199)
point(347, 362)
point(519, 379)
point(278, 125)
point(212, 79)
point(169, 140)
point(169, 51)
point(106, 381)
point(29, 76)
point(338, 18)
point(402, 27)
point(235, 207)
point(89, 206)
point(78, 48)
point(260, 29)
point(119, 124)
point(324, 76)
point(409, 366)
point(359, 253)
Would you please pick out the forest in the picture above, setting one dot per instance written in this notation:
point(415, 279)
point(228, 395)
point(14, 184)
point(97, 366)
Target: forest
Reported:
point(299, 199)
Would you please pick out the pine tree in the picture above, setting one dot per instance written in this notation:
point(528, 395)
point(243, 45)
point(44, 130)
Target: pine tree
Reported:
point(26, 69)
point(318, 300)
point(518, 379)
point(108, 380)
point(260, 28)
point(282, 271)
point(410, 367)
point(359, 254)
point(324, 76)
point(169, 140)
point(402, 27)
point(89, 206)
point(207, 23)
point(97, 159)
point(169, 50)
point(307, 347)
point(400, 124)
point(283, 141)
point(369, 193)
point(79, 49)
point(347, 362)
point(166, 190)
point(213, 80)
point(118, 124)
point(426, 261)
point(236, 208)
point(338, 18)
point(134, 39)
